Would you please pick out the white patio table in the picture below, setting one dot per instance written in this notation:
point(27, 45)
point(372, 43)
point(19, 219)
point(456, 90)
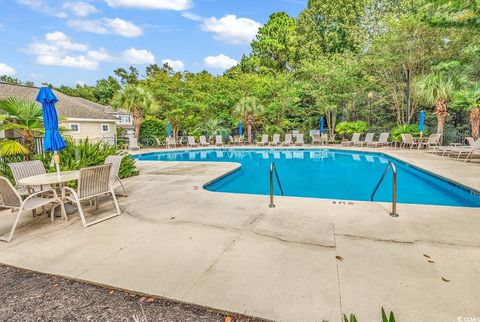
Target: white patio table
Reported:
point(54, 179)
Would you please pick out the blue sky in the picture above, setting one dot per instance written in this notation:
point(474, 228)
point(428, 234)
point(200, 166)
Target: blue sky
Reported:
point(69, 41)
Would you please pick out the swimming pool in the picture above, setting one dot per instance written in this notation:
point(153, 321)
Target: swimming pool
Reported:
point(324, 173)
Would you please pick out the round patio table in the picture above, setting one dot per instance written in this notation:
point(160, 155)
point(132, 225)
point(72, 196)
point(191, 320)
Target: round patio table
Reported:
point(53, 179)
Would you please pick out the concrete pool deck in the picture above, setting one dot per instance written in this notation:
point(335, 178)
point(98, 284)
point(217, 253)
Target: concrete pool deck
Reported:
point(305, 260)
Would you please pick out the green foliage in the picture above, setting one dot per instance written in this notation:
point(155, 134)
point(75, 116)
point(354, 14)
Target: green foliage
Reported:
point(348, 128)
point(391, 317)
point(352, 318)
point(85, 153)
point(152, 128)
point(213, 127)
point(272, 129)
point(404, 129)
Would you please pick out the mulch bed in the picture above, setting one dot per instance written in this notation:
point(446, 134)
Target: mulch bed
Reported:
point(33, 296)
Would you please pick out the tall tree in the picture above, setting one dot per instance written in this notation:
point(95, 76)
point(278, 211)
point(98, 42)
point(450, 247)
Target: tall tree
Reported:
point(469, 99)
point(136, 100)
point(247, 109)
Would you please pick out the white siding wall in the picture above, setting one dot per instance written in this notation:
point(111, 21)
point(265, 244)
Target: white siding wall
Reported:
point(91, 129)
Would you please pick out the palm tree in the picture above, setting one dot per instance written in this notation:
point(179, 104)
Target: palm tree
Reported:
point(469, 99)
point(136, 100)
point(247, 109)
point(24, 118)
point(212, 127)
point(435, 90)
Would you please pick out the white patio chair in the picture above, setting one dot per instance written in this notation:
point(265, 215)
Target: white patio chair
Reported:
point(218, 140)
point(170, 142)
point(159, 143)
point(27, 169)
point(275, 140)
point(299, 140)
point(264, 140)
point(355, 139)
point(191, 142)
point(408, 141)
point(368, 140)
point(92, 183)
point(324, 138)
point(133, 144)
point(316, 139)
point(288, 140)
point(382, 140)
point(115, 161)
point(10, 198)
point(203, 141)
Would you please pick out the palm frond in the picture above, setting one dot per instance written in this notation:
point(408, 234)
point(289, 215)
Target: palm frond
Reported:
point(11, 147)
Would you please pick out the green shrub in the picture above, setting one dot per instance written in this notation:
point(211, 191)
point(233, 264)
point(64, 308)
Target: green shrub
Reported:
point(399, 130)
point(152, 128)
point(85, 153)
point(348, 128)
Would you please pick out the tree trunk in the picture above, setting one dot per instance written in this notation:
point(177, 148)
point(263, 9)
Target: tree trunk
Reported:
point(249, 120)
point(137, 122)
point(441, 111)
point(475, 121)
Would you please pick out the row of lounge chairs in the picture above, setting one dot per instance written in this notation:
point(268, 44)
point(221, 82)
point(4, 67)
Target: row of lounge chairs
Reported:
point(369, 140)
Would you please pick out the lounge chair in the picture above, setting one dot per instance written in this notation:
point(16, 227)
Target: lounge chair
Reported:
point(459, 151)
point(203, 141)
point(408, 141)
point(288, 140)
point(92, 183)
point(218, 140)
point(170, 142)
point(115, 161)
point(191, 142)
point(368, 140)
point(238, 140)
point(382, 140)
point(299, 140)
point(355, 139)
point(432, 143)
point(11, 199)
point(316, 139)
point(133, 144)
point(324, 138)
point(26, 169)
point(276, 140)
point(159, 143)
point(264, 140)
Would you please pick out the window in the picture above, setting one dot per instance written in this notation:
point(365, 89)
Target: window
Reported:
point(105, 128)
point(74, 127)
point(125, 119)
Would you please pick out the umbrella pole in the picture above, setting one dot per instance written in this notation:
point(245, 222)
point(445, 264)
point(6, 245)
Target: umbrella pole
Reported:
point(56, 159)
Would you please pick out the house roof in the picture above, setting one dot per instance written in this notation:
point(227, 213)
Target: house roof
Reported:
point(67, 106)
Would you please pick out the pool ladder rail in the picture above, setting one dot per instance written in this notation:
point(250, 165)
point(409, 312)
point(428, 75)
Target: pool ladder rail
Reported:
point(273, 170)
point(394, 187)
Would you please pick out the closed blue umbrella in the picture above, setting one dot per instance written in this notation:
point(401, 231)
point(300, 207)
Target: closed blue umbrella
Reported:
point(52, 141)
point(240, 128)
point(421, 122)
point(322, 124)
point(169, 129)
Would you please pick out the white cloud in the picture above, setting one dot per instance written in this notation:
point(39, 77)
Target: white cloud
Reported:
point(231, 29)
point(177, 5)
point(79, 61)
point(137, 56)
point(41, 6)
point(62, 41)
point(177, 65)
point(219, 62)
point(80, 8)
point(107, 26)
point(7, 70)
point(191, 16)
point(100, 55)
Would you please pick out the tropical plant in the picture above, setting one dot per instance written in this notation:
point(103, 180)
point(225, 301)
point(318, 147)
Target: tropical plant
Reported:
point(352, 318)
point(247, 109)
point(213, 127)
point(391, 317)
point(85, 153)
point(348, 128)
point(272, 129)
point(404, 129)
point(152, 128)
point(469, 99)
point(136, 100)
point(435, 89)
point(24, 118)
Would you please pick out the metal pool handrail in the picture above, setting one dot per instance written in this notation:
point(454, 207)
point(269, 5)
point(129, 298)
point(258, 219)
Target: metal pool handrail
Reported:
point(273, 169)
point(394, 187)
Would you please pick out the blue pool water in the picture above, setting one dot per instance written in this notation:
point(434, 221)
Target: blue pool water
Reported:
point(331, 174)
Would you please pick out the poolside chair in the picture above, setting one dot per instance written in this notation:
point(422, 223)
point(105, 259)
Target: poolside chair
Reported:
point(115, 161)
point(432, 143)
point(218, 140)
point(382, 140)
point(238, 139)
point(288, 140)
point(299, 140)
point(324, 138)
point(203, 141)
point(191, 142)
point(170, 142)
point(10, 198)
point(93, 182)
point(408, 141)
point(27, 169)
point(276, 140)
point(264, 140)
point(355, 139)
point(316, 139)
point(133, 144)
point(159, 143)
point(469, 150)
point(368, 139)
